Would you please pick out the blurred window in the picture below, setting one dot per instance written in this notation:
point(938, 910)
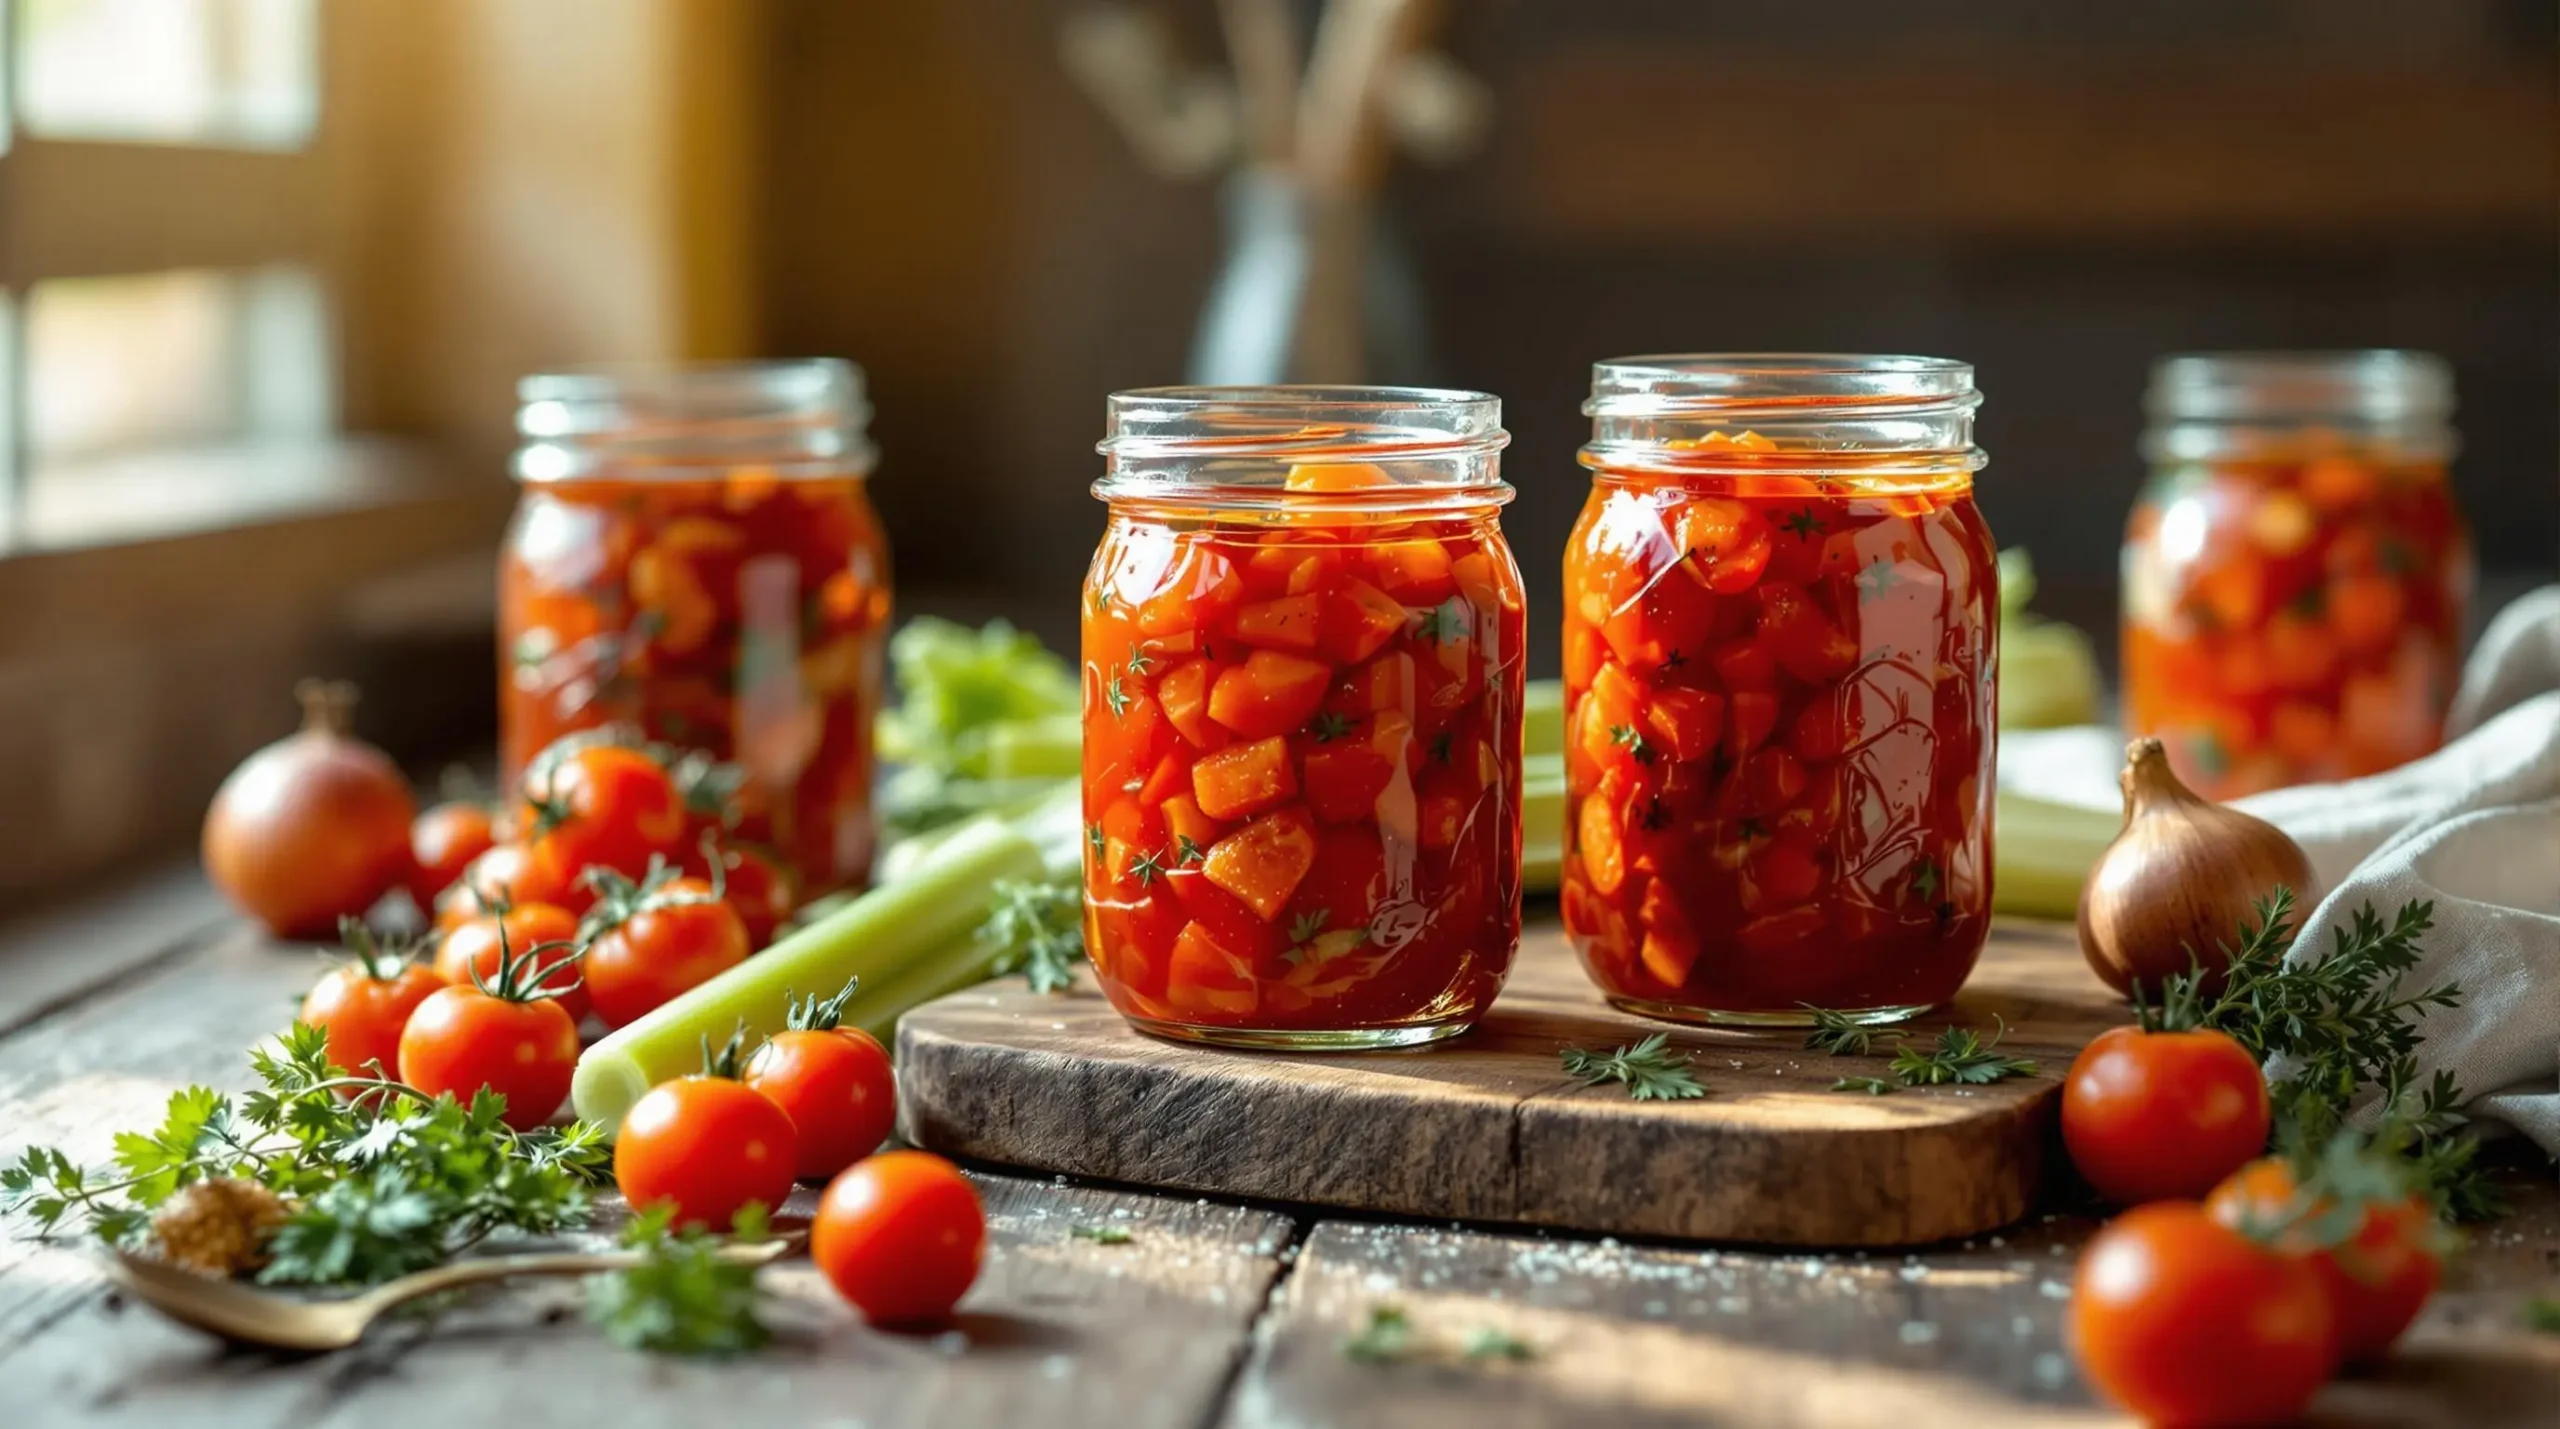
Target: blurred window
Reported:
point(165, 344)
point(235, 72)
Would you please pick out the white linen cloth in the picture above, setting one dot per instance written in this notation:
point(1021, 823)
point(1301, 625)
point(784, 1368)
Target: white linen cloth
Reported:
point(2473, 828)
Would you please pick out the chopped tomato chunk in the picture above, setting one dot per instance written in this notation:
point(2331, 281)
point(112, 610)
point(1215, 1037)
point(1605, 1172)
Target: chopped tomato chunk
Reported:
point(1358, 621)
point(1262, 862)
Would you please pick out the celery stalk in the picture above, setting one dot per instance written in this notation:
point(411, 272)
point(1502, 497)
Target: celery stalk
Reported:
point(1542, 823)
point(883, 937)
point(1051, 746)
point(2041, 852)
point(1542, 718)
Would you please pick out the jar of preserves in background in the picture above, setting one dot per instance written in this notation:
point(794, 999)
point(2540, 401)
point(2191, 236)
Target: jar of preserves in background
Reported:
point(1303, 676)
point(2296, 573)
point(1780, 634)
point(694, 556)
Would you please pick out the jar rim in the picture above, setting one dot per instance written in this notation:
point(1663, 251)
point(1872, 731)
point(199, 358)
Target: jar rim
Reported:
point(2380, 384)
point(1301, 421)
point(1740, 386)
point(667, 420)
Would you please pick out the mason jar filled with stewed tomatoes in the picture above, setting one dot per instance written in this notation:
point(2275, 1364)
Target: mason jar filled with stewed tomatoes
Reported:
point(1302, 703)
point(2296, 572)
point(694, 557)
point(1779, 648)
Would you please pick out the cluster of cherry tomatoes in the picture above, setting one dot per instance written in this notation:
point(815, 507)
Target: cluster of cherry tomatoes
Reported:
point(606, 889)
point(899, 1234)
point(2230, 1292)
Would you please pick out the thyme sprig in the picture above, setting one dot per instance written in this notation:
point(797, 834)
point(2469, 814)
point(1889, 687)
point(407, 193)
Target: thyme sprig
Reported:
point(1037, 930)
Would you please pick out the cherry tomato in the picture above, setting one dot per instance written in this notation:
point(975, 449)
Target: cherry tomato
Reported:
point(479, 945)
point(521, 1046)
point(754, 882)
point(362, 1003)
point(602, 806)
point(662, 938)
point(2377, 1281)
point(834, 1082)
point(509, 873)
point(899, 1236)
point(442, 844)
point(2152, 1116)
point(2185, 1321)
point(705, 1145)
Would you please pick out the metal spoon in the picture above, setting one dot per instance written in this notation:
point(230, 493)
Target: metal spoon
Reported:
point(240, 1312)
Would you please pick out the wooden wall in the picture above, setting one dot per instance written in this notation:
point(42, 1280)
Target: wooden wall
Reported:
point(2057, 193)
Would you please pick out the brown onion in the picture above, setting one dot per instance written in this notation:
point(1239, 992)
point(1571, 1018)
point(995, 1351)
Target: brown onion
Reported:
point(313, 827)
point(2181, 880)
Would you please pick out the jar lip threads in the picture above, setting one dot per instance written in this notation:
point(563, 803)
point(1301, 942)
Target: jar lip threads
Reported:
point(807, 417)
point(1811, 414)
point(1244, 447)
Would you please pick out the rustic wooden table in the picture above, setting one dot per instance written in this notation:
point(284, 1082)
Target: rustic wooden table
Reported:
point(1210, 1314)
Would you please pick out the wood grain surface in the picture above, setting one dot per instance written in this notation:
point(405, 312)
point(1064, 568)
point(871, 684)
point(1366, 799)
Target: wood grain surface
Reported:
point(1488, 1127)
point(1212, 1313)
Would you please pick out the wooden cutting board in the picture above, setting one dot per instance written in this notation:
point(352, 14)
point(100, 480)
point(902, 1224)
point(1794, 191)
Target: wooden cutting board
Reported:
point(1488, 1128)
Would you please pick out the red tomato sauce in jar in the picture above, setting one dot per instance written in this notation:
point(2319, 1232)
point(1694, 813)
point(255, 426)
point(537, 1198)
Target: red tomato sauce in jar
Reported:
point(2296, 577)
point(1302, 749)
point(1780, 648)
point(719, 590)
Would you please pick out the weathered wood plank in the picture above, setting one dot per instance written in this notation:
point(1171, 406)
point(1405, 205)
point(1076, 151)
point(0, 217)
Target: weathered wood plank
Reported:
point(1969, 1333)
point(59, 954)
point(1488, 1127)
point(1058, 1330)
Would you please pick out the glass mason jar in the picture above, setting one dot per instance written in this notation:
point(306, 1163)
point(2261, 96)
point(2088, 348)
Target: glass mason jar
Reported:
point(2296, 573)
point(694, 556)
point(1302, 700)
point(1780, 633)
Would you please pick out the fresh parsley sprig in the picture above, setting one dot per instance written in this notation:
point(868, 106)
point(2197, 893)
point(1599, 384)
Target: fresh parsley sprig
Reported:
point(1650, 1070)
point(1835, 1033)
point(382, 1180)
point(683, 1297)
point(1391, 1336)
point(1038, 930)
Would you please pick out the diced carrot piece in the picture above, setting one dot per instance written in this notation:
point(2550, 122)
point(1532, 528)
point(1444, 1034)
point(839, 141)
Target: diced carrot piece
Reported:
point(1357, 622)
point(2303, 733)
point(1601, 846)
point(1338, 476)
point(2300, 653)
point(1270, 693)
point(1183, 820)
point(1415, 572)
point(2365, 610)
point(1750, 717)
point(1315, 573)
point(1243, 779)
point(1668, 956)
point(1674, 618)
point(1386, 683)
point(1800, 637)
point(1202, 588)
point(1781, 872)
point(2280, 524)
point(1288, 623)
point(1262, 863)
point(1483, 583)
point(1688, 722)
point(2335, 483)
point(1725, 543)
point(1184, 695)
point(1172, 775)
point(1343, 779)
point(1202, 977)
point(1582, 655)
